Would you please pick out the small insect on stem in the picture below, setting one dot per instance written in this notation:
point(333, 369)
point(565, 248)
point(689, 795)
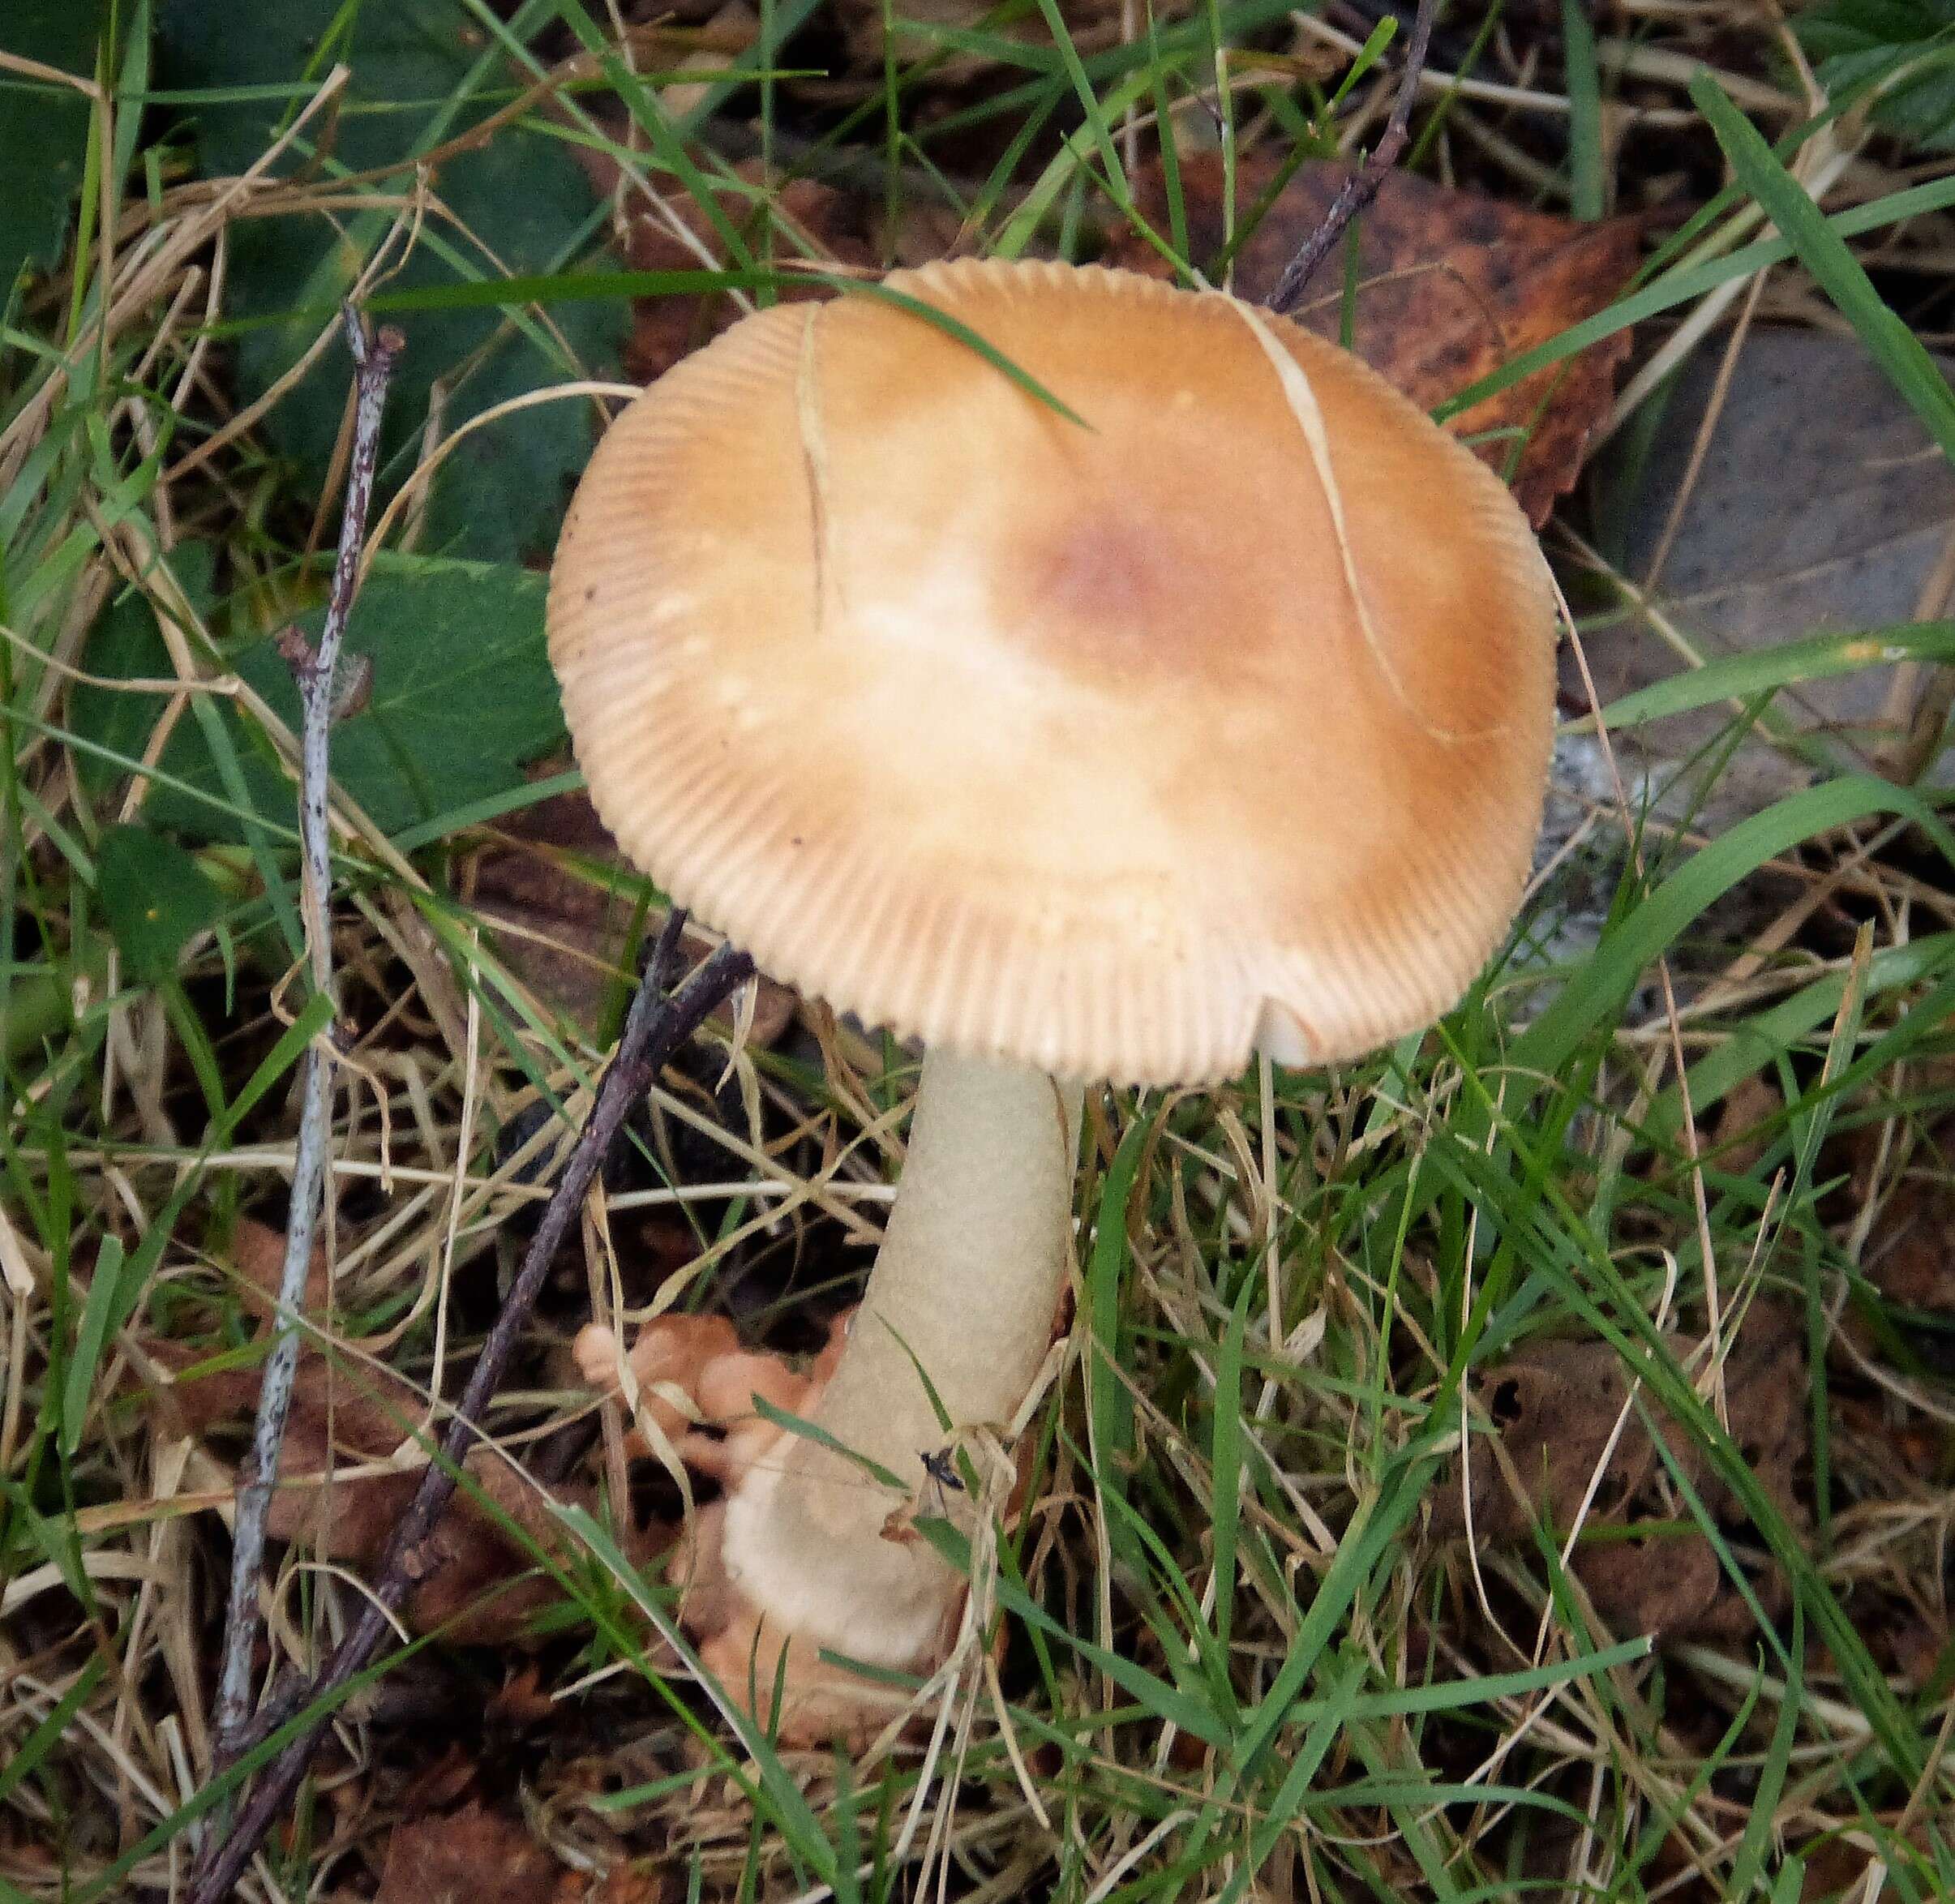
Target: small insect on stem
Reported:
point(941, 1468)
point(941, 1480)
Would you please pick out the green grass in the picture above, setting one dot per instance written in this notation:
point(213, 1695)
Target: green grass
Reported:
point(1237, 1661)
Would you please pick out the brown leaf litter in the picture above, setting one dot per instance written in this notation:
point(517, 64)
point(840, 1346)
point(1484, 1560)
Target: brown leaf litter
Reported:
point(1451, 285)
point(1555, 1405)
point(1909, 1256)
point(1899, 1188)
point(832, 228)
point(474, 1854)
point(1896, 1197)
point(1901, 1177)
point(474, 1577)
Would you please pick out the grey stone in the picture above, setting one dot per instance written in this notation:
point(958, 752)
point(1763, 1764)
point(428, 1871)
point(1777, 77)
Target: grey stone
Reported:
point(1822, 505)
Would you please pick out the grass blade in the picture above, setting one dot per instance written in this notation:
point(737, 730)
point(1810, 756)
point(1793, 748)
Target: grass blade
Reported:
point(1585, 82)
point(1824, 251)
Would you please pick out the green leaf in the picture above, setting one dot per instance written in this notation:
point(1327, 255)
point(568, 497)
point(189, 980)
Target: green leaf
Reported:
point(1909, 43)
point(43, 130)
point(420, 78)
point(154, 898)
point(460, 697)
point(126, 645)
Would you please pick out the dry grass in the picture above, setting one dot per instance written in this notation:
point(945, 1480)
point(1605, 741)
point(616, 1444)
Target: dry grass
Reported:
point(1241, 1662)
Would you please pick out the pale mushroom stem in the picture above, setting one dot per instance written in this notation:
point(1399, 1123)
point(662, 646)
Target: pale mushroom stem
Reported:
point(966, 1285)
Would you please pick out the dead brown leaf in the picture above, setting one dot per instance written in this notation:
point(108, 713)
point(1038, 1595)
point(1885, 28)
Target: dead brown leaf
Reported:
point(441, 1783)
point(348, 1412)
point(1839, 1866)
point(1910, 1255)
point(521, 1701)
point(1555, 1405)
point(1926, 1448)
point(623, 1883)
point(356, 1414)
point(465, 1857)
point(1739, 1139)
point(834, 228)
point(1451, 285)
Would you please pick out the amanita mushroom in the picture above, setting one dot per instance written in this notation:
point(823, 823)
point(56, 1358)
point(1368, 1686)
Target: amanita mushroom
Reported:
point(1213, 716)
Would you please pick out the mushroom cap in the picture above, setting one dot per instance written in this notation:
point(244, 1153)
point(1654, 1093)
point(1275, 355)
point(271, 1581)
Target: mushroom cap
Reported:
point(1218, 718)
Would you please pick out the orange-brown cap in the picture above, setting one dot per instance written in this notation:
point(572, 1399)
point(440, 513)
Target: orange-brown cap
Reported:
point(1120, 747)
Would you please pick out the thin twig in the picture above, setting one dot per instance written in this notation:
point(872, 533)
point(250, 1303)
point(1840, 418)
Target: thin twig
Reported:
point(314, 671)
point(1361, 188)
point(653, 1031)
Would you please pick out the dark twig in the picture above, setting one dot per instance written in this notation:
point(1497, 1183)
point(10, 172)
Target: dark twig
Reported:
point(375, 362)
point(1361, 188)
point(655, 1028)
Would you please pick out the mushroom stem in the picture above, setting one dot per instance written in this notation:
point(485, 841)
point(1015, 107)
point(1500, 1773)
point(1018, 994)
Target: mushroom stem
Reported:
point(965, 1287)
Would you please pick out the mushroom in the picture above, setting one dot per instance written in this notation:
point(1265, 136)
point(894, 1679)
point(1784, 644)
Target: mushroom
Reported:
point(1203, 709)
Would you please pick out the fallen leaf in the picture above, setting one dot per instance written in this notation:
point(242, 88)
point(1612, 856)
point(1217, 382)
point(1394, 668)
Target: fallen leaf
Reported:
point(1910, 1252)
point(1451, 286)
point(1882, 1423)
point(833, 229)
point(623, 1883)
point(521, 1702)
point(1917, 1646)
point(1740, 1138)
point(465, 1857)
point(471, 1576)
point(442, 1781)
point(1555, 1405)
point(1840, 1865)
